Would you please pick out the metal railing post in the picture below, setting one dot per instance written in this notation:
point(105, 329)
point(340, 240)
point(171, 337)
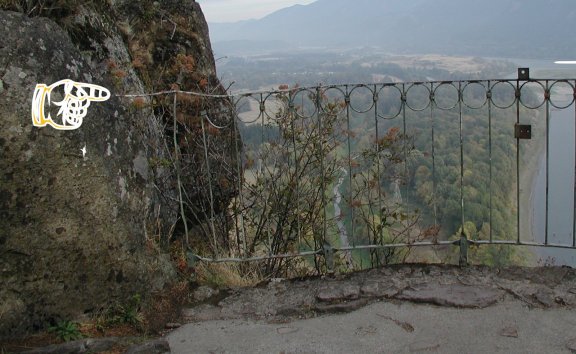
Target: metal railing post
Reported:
point(328, 252)
point(463, 242)
point(463, 237)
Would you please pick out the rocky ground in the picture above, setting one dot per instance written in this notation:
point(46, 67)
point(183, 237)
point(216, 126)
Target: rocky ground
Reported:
point(509, 302)
point(473, 287)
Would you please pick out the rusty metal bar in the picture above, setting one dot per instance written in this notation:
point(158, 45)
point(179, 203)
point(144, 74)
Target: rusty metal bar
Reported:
point(404, 131)
point(518, 93)
point(434, 181)
point(207, 161)
point(350, 173)
point(489, 102)
point(293, 116)
point(574, 205)
point(547, 169)
point(239, 200)
point(378, 153)
point(323, 179)
point(463, 237)
point(177, 168)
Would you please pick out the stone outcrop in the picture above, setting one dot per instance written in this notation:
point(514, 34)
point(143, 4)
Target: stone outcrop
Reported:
point(474, 287)
point(78, 233)
point(78, 346)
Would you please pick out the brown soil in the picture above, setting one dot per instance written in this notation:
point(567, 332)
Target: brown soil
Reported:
point(88, 330)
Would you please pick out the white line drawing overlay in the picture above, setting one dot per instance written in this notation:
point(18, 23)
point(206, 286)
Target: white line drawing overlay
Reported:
point(74, 106)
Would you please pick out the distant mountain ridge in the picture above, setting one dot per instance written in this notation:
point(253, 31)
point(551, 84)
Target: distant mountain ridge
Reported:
point(504, 28)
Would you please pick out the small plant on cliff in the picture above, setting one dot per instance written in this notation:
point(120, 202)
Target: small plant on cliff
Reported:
point(129, 313)
point(66, 331)
point(121, 314)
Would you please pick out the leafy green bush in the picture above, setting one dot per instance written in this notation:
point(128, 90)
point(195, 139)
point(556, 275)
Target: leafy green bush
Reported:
point(66, 331)
point(128, 313)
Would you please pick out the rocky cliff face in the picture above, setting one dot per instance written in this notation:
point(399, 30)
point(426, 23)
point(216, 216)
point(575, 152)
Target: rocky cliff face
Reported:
point(79, 233)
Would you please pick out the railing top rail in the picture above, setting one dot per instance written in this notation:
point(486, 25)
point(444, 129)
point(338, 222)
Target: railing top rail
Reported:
point(321, 86)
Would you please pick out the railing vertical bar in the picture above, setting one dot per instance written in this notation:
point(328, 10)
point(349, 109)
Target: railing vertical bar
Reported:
point(292, 116)
point(547, 166)
point(261, 160)
point(177, 165)
point(518, 93)
point(262, 127)
point(463, 243)
point(489, 99)
point(350, 174)
point(405, 147)
point(375, 99)
point(434, 182)
point(212, 216)
point(461, 132)
point(238, 213)
point(574, 205)
point(323, 180)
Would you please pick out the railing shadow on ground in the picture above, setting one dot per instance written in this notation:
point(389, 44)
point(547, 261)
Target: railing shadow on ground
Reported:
point(355, 176)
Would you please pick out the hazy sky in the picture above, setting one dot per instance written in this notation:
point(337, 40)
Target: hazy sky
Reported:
point(236, 10)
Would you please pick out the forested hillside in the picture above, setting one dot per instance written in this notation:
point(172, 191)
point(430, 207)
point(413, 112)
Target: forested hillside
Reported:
point(423, 170)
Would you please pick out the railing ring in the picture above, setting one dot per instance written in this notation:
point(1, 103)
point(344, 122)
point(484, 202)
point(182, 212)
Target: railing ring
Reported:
point(358, 88)
point(572, 94)
point(427, 96)
point(250, 115)
point(543, 94)
point(225, 105)
point(494, 94)
point(275, 102)
point(382, 98)
point(300, 98)
point(484, 90)
point(325, 99)
point(435, 95)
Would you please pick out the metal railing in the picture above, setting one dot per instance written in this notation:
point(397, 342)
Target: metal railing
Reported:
point(353, 176)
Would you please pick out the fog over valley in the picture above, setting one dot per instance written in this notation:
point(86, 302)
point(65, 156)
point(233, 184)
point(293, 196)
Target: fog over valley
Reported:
point(491, 28)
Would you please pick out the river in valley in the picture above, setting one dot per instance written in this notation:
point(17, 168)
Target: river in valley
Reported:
point(560, 192)
point(559, 224)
